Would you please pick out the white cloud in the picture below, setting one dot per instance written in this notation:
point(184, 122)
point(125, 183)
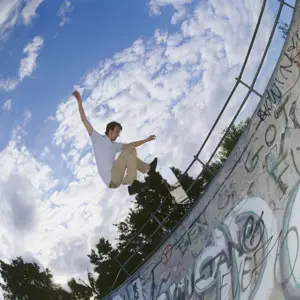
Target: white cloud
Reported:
point(9, 10)
point(14, 12)
point(27, 116)
point(8, 84)
point(74, 260)
point(28, 63)
point(45, 152)
point(155, 5)
point(179, 6)
point(7, 105)
point(29, 11)
point(18, 192)
point(65, 8)
point(23, 182)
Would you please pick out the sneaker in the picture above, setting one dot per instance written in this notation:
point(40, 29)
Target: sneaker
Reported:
point(153, 165)
point(137, 187)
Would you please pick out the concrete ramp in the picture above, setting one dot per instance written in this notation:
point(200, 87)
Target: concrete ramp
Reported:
point(241, 240)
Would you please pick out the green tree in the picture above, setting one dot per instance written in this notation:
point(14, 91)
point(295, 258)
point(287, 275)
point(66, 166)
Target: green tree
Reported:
point(209, 173)
point(227, 145)
point(105, 266)
point(80, 291)
point(231, 138)
point(26, 281)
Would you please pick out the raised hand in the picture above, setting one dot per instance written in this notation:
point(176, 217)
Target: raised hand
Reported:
point(77, 96)
point(151, 138)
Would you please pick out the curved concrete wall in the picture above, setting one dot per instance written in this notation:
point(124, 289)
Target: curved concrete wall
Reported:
point(241, 241)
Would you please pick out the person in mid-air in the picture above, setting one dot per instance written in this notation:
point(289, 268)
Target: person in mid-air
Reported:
point(105, 148)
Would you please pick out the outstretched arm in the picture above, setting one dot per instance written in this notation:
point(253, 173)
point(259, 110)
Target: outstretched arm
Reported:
point(84, 119)
point(139, 143)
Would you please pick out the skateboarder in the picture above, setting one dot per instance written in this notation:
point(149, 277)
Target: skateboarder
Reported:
point(105, 149)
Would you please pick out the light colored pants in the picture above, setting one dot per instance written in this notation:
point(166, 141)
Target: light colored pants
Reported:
point(127, 160)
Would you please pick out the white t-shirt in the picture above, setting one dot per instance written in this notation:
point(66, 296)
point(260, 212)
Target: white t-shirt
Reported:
point(105, 153)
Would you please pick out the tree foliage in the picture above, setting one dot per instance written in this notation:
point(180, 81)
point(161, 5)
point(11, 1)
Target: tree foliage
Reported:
point(23, 281)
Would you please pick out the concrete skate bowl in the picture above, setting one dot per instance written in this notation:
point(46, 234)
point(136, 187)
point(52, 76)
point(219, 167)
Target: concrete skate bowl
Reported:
point(240, 240)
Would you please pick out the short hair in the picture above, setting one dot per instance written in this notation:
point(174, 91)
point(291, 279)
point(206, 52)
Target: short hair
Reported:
point(111, 126)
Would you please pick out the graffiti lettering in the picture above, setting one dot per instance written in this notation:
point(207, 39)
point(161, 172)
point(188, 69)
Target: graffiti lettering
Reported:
point(245, 272)
point(280, 162)
point(167, 253)
point(293, 116)
point(274, 95)
point(251, 232)
point(286, 273)
point(281, 106)
point(218, 268)
point(264, 112)
point(135, 292)
point(272, 98)
point(215, 272)
point(251, 163)
point(286, 68)
point(190, 237)
point(270, 135)
point(227, 197)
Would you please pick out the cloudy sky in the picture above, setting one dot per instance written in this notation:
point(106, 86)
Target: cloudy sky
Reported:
point(157, 66)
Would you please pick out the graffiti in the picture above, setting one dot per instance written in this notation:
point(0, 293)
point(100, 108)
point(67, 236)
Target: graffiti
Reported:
point(167, 253)
point(224, 201)
point(274, 96)
point(233, 267)
point(281, 162)
point(227, 196)
point(224, 266)
point(293, 116)
point(243, 248)
point(265, 110)
point(287, 265)
point(270, 135)
point(190, 237)
point(252, 160)
point(135, 292)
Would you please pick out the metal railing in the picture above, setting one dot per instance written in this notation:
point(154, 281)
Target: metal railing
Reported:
point(161, 223)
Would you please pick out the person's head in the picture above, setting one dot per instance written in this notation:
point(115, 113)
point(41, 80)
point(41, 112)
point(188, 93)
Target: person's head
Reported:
point(113, 130)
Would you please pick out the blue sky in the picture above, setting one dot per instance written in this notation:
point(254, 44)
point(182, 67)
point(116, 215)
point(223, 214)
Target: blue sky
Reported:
point(157, 66)
point(96, 31)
